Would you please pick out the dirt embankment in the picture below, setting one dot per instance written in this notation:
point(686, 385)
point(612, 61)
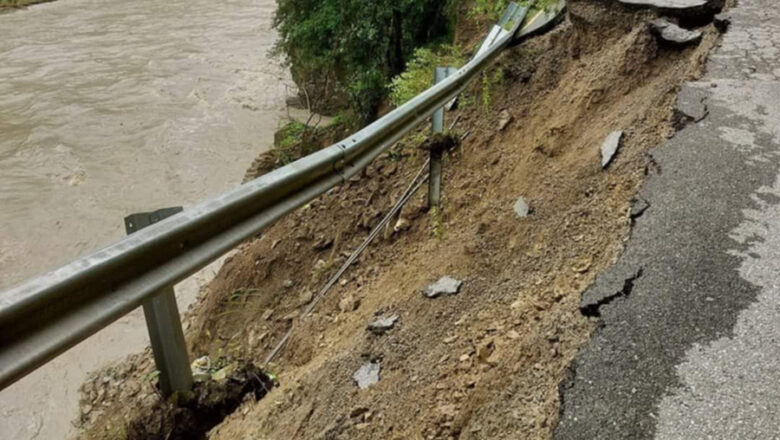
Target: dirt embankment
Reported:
point(485, 363)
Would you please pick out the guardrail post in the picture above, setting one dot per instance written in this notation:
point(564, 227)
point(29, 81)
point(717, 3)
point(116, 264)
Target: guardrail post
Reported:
point(164, 322)
point(434, 179)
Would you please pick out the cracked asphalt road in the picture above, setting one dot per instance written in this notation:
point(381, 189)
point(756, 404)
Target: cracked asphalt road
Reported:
point(692, 352)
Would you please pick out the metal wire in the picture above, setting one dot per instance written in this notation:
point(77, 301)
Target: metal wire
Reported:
point(405, 196)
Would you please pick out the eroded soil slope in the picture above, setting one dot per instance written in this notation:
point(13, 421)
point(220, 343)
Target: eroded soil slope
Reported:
point(485, 363)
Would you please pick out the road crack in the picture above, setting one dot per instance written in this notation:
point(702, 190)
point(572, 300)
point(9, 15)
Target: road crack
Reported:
point(593, 310)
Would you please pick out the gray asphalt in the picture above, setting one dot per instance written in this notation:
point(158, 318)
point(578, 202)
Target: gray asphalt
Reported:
point(689, 341)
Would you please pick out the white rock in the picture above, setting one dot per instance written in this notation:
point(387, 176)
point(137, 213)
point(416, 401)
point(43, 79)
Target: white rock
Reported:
point(504, 118)
point(610, 147)
point(444, 286)
point(521, 208)
point(381, 325)
point(402, 225)
point(367, 375)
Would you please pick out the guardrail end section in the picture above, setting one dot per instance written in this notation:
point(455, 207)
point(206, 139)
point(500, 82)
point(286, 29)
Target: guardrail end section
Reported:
point(539, 18)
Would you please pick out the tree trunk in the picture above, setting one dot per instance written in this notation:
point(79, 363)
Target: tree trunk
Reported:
point(396, 53)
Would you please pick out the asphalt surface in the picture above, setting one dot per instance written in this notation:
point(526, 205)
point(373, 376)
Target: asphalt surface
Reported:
point(689, 342)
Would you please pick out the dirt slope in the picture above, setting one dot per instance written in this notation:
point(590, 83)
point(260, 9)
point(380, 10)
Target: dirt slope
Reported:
point(485, 363)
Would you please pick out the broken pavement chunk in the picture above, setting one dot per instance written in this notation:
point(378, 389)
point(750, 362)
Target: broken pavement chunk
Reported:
point(722, 21)
point(602, 293)
point(674, 35)
point(381, 325)
point(367, 375)
point(610, 147)
point(691, 103)
point(638, 207)
point(444, 286)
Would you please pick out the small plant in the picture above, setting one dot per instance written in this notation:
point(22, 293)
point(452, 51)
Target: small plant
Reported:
point(546, 5)
point(150, 377)
point(418, 75)
point(286, 139)
point(321, 268)
point(491, 9)
point(487, 93)
point(436, 221)
point(346, 119)
point(490, 81)
point(295, 140)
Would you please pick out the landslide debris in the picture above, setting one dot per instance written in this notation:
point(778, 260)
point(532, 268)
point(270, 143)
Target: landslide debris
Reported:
point(485, 363)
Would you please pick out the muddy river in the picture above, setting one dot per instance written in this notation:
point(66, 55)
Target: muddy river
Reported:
point(109, 107)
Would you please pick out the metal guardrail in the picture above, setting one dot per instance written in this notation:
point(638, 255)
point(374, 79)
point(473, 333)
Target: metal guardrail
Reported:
point(45, 316)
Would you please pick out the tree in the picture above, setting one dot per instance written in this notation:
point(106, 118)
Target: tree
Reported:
point(345, 51)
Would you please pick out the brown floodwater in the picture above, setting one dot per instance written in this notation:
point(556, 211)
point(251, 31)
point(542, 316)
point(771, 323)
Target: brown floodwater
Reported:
point(109, 107)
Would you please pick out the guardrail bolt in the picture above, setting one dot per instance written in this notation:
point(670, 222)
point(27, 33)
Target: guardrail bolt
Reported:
point(164, 322)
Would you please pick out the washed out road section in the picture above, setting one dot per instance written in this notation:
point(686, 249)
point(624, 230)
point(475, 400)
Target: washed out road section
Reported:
point(689, 351)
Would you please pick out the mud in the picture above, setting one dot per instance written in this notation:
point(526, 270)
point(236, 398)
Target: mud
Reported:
point(211, 403)
point(219, 390)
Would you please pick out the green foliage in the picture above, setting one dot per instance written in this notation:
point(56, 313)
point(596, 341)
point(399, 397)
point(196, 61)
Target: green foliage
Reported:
point(296, 140)
point(481, 93)
point(487, 93)
point(418, 75)
point(490, 81)
point(356, 46)
point(365, 90)
point(491, 9)
point(547, 5)
point(287, 139)
point(345, 119)
point(290, 134)
point(437, 224)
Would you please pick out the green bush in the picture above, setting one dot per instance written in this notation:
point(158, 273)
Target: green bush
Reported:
point(295, 140)
point(489, 8)
point(418, 75)
point(290, 143)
